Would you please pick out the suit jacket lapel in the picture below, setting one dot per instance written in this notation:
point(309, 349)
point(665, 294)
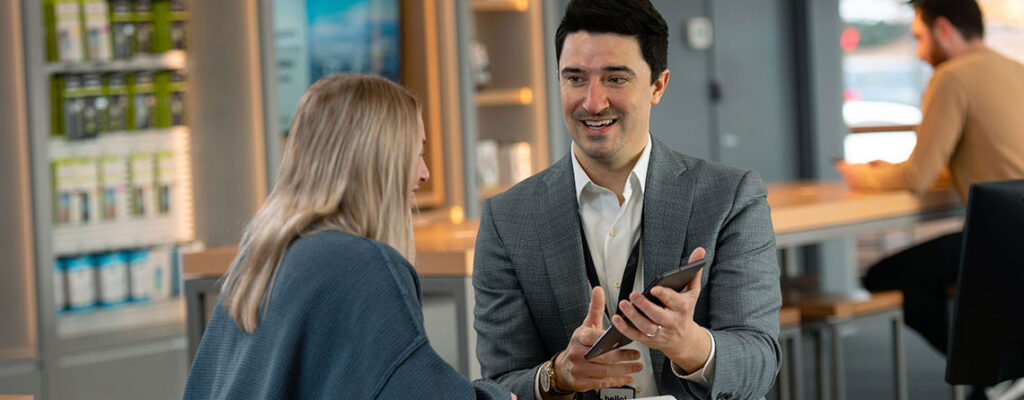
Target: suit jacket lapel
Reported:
point(667, 204)
point(562, 245)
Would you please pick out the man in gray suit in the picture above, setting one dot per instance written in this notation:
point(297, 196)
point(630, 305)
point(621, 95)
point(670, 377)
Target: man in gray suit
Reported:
point(618, 211)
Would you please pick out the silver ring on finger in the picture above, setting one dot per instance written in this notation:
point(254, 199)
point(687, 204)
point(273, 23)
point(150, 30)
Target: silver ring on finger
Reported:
point(655, 332)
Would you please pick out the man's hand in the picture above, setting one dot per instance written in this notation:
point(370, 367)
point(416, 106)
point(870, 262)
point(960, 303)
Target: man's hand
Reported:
point(612, 369)
point(670, 328)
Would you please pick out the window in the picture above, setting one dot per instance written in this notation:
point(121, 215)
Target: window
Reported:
point(884, 80)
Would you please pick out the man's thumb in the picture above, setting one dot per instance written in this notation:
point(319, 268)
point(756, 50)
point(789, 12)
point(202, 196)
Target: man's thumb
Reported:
point(596, 311)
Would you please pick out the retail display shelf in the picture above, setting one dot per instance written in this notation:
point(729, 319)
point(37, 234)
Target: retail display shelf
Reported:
point(156, 319)
point(500, 5)
point(112, 236)
point(505, 97)
point(173, 138)
point(169, 60)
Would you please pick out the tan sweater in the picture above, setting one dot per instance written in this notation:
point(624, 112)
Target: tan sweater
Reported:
point(973, 123)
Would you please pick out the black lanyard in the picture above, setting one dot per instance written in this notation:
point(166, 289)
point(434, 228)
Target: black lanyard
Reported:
point(628, 275)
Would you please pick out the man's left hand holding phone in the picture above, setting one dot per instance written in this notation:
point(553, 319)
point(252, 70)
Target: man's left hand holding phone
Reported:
point(573, 373)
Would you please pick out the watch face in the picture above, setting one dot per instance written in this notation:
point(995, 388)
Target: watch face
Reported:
point(545, 377)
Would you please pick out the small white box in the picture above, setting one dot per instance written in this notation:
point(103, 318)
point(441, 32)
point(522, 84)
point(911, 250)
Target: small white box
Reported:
point(487, 163)
point(515, 162)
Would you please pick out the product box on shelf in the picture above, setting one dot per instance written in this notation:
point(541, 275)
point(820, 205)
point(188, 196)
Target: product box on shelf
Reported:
point(145, 34)
point(161, 263)
point(515, 162)
point(97, 30)
point(114, 178)
point(176, 98)
point(81, 278)
point(60, 295)
point(178, 34)
point(142, 185)
point(76, 184)
point(143, 106)
point(140, 273)
point(116, 91)
point(112, 279)
point(94, 111)
point(166, 178)
point(122, 21)
point(487, 163)
point(70, 110)
point(63, 17)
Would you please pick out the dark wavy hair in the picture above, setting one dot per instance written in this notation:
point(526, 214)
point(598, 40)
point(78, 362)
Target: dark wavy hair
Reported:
point(965, 15)
point(636, 18)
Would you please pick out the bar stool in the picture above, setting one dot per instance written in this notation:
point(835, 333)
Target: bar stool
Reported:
point(788, 385)
point(825, 316)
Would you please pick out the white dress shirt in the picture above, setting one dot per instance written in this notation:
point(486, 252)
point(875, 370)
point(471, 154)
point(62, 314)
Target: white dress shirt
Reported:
point(611, 230)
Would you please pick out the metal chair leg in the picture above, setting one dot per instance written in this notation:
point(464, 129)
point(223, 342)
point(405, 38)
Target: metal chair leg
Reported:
point(822, 363)
point(899, 361)
point(839, 383)
point(784, 391)
point(796, 383)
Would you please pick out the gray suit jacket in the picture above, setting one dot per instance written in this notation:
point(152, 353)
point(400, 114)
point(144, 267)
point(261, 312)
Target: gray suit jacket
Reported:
point(532, 291)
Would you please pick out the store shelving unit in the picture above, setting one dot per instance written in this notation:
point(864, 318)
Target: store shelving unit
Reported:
point(137, 347)
point(511, 108)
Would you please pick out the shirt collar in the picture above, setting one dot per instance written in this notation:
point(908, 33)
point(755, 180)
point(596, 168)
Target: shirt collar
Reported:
point(639, 169)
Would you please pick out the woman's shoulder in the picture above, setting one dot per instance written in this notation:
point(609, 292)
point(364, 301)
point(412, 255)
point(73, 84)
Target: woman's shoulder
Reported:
point(331, 255)
point(334, 247)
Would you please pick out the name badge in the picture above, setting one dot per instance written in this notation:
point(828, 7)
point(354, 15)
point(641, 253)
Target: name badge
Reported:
point(619, 393)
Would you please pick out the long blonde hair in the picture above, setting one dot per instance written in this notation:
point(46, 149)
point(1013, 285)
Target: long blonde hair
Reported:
point(347, 167)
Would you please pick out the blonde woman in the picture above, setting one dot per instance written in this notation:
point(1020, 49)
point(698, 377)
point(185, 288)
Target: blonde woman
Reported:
point(322, 301)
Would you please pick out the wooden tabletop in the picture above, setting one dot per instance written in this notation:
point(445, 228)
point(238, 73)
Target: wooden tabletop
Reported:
point(443, 249)
point(809, 205)
point(16, 397)
point(446, 249)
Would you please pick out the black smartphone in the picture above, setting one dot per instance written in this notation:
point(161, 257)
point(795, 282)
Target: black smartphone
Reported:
point(675, 279)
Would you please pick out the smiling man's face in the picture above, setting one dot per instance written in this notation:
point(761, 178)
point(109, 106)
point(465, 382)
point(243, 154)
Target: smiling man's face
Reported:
point(607, 95)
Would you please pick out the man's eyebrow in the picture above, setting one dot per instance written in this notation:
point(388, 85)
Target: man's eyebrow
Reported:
point(610, 68)
point(619, 68)
point(571, 70)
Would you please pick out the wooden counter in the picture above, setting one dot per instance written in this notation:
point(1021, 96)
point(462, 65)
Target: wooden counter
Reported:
point(802, 212)
point(802, 206)
point(16, 397)
point(441, 250)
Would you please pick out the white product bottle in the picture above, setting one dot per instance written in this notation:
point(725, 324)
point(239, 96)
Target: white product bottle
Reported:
point(81, 279)
point(113, 279)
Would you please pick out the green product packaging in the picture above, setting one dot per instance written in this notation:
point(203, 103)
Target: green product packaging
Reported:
point(61, 192)
point(57, 105)
point(115, 202)
point(162, 87)
point(144, 104)
point(116, 91)
point(73, 108)
point(76, 184)
point(97, 29)
point(142, 185)
point(176, 102)
point(66, 43)
point(94, 113)
point(145, 34)
point(178, 31)
point(166, 178)
point(122, 22)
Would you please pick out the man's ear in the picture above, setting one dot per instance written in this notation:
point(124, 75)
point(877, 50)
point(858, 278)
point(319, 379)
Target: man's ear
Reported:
point(659, 87)
point(945, 32)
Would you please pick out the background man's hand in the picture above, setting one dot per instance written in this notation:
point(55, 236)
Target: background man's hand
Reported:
point(612, 369)
point(671, 328)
